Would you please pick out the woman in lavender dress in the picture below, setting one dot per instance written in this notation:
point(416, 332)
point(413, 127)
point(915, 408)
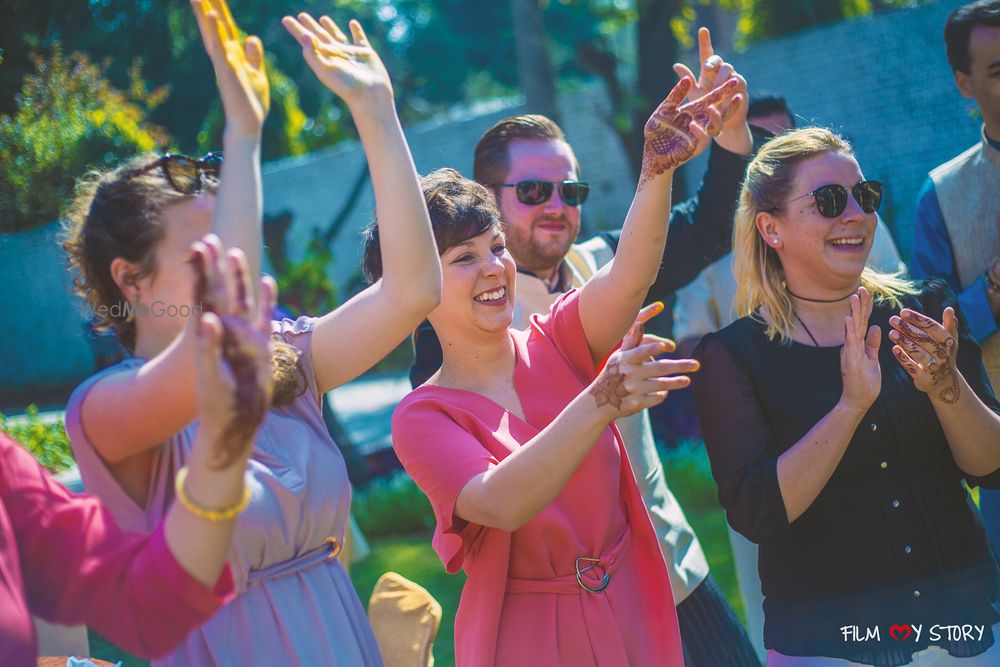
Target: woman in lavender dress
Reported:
point(132, 425)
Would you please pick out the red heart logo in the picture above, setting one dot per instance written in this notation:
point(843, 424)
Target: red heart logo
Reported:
point(900, 632)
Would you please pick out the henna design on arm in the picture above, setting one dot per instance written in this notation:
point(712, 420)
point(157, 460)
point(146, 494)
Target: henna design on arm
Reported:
point(610, 388)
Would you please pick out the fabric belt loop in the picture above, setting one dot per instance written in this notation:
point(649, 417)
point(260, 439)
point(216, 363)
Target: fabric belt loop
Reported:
point(328, 552)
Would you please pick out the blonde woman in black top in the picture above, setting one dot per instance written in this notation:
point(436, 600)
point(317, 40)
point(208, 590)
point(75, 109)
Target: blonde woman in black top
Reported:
point(841, 416)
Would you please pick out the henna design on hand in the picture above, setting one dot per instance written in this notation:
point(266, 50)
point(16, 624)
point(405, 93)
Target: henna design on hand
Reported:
point(669, 142)
point(908, 365)
point(251, 399)
point(610, 388)
point(943, 368)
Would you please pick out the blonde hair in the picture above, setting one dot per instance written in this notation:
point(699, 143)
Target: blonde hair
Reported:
point(760, 277)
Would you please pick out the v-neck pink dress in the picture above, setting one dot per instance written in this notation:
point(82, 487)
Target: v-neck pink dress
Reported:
point(524, 602)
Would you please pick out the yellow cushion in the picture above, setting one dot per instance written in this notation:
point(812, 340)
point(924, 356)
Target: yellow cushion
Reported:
point(405, 618)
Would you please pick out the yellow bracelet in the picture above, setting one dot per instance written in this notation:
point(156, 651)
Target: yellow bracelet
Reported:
point(202, 513)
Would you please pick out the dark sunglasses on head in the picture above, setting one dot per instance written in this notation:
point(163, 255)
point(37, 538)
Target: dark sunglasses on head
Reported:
point(831, 200)
point(533, 193)
point(182, 172)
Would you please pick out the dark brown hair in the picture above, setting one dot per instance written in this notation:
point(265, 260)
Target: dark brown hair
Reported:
point(492, 159)
point(115, 215)
point(958, 30)
point(459, 209)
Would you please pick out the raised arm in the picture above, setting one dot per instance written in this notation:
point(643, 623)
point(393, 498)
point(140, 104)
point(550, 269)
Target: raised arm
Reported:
point(351, 339)
point(674, 133)
point(242, 80)
point(160, 389)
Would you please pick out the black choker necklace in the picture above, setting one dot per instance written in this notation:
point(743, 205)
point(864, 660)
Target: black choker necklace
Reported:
point(802, 298)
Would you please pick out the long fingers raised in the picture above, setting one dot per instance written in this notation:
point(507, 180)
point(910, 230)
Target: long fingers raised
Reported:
point(921, 321)
point(228, 25)
point(873, 341)
point(906, 361)
point(313, 26)
point(358, 33)
point(714, 97)
point(334, 29)
point(916, 352)
point(265, 304)
point(677, 95)
point(667, 367)
point(917, 335)
point(303, 36)
point(640, 353)
point(242, 290)
point(649, 312)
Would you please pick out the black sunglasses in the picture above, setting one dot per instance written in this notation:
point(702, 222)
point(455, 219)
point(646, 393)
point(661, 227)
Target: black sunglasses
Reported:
point(533, 193)
point(182, 172)
point(831, 200)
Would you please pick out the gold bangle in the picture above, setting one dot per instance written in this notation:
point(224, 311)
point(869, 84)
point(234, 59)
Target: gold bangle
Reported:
point(202, 513)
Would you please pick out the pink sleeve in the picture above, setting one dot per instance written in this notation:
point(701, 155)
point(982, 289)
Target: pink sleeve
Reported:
point(79, 567)
point(441, 457)
point(563, 327)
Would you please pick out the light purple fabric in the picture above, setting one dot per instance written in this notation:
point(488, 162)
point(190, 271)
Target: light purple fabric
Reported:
point(300, 496)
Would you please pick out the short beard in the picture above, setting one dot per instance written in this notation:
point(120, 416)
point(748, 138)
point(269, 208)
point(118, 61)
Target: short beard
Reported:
point(531, 256)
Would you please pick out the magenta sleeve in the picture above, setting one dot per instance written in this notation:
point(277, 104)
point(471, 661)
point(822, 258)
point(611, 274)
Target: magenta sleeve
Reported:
point(79, 567)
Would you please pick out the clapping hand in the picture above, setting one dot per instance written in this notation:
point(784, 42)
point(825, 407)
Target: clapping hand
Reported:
point(675, 133)
point(633, 379)
point(234, 359)
point(928, 350)
point(239, 66)
point(348, 67)
point(859, 367)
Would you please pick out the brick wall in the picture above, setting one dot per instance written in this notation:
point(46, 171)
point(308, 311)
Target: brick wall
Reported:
point(883, 81)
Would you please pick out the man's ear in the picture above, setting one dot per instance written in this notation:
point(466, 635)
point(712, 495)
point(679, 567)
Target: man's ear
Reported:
point(768, 229)
point(963, 82)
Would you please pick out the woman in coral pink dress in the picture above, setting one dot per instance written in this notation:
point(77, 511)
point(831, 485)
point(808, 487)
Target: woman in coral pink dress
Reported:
point(512, 439)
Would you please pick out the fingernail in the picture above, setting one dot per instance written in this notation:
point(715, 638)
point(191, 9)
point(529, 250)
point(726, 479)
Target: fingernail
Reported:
point(697, 365)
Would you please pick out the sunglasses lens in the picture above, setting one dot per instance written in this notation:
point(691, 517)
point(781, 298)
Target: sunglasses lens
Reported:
point(211, 164)
point(533, 193)
point(182, 172)
point(830, 200)
point(574, 194)
point(869, 195)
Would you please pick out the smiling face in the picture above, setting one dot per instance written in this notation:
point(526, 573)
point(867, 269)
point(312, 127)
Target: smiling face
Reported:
point(478, 287)
point(822, 257)
point(539, 235)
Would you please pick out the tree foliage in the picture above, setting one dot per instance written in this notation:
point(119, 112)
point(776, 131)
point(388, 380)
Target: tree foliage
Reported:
point(69, 118)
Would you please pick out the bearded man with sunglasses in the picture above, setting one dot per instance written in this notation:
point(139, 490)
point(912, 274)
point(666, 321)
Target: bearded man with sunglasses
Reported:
point(531, 168)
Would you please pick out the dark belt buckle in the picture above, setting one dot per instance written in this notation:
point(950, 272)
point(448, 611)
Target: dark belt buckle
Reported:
point(335, 547)
point(605, 580)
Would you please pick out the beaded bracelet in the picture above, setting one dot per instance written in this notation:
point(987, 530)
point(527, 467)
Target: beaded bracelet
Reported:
point(202, 513)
